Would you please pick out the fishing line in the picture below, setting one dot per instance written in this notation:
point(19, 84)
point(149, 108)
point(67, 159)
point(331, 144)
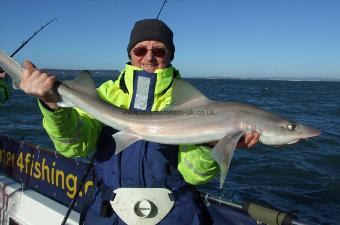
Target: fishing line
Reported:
point(29, 39)
point(80, 186)
point(159, 13)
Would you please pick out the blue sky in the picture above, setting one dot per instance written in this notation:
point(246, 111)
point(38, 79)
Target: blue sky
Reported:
point(232, 38)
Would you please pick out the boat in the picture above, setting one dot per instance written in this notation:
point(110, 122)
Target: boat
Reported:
point(38, 186)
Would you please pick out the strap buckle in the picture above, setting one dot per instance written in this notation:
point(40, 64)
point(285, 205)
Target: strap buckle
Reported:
point(142, 205)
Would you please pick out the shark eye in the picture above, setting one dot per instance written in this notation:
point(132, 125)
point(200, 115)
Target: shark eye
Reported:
point(292, 126)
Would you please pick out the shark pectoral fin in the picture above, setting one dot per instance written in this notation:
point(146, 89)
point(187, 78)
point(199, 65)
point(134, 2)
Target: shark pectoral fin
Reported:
point(123, 140)
point(223, 153)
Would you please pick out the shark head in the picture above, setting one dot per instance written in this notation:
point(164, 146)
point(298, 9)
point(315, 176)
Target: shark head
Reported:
point(286, 132)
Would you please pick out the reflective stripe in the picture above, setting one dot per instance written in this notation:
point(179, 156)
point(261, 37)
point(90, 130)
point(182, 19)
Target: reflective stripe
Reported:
point(142, 93)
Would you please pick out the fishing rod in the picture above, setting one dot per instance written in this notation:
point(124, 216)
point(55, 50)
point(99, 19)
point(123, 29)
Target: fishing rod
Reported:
point(262, 214)
point(165, 1)
point(29, 39)
point(80, 186)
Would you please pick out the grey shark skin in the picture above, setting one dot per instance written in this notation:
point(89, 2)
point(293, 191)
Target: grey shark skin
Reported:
point(190, 119)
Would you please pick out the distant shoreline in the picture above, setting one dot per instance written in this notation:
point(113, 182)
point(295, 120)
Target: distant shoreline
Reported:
point(312, 79)
point(115, 73)
point(95, 73)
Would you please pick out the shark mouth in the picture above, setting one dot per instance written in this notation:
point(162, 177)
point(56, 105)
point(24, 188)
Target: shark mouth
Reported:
point(297, 140)
point(293, 142)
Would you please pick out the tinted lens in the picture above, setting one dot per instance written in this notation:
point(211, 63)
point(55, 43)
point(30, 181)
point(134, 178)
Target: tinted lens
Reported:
point(158, 52)
point(141, 51)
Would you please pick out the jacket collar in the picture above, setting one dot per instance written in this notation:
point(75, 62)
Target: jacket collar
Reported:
point(163, 78)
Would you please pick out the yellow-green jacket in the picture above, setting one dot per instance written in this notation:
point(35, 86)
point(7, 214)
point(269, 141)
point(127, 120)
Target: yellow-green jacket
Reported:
point(4, 93)
point(76, 133)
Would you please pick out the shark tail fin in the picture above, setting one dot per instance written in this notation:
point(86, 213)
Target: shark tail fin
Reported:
point(11, 67)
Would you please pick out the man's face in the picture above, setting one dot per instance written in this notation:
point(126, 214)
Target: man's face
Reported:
point(150, 55)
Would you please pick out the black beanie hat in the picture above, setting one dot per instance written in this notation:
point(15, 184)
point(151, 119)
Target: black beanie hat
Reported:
point(152, 29)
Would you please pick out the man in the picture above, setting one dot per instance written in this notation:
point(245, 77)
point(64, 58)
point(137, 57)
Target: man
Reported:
point(145, 84)
point(4, 93)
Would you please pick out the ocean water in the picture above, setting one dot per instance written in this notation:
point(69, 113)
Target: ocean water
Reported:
point(304, 177)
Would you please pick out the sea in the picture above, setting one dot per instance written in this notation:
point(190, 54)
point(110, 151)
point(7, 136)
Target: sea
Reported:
point(303, 178)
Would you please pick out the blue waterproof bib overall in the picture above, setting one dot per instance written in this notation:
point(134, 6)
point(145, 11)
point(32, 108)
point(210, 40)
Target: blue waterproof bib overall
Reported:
point(141, 165)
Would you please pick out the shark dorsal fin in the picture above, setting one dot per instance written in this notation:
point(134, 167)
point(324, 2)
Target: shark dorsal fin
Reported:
point(84, 84)
point(184, 95)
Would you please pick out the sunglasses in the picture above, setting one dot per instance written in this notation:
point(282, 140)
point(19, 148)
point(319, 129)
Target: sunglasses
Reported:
point(141, 51)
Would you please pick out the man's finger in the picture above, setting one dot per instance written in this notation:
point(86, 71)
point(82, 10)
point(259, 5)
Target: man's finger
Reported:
point(248, 137)
point(254, 140)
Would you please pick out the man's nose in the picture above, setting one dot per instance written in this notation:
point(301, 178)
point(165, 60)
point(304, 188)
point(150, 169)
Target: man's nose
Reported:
point(149, 55)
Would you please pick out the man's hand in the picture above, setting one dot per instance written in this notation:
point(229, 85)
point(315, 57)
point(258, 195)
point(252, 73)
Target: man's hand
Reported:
point(247, 141)
point(39, 84)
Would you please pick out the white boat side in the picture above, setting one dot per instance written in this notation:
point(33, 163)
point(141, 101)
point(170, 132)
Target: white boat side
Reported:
point(28, 207)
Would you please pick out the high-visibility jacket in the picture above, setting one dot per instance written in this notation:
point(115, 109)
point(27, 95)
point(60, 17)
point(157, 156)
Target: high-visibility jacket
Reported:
point(4, 92)
point(142, 164)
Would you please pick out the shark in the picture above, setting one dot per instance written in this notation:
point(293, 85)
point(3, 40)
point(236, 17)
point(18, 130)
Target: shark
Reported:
point(190, 118)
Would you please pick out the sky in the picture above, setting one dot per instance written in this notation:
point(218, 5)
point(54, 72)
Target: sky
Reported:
point(213, 38)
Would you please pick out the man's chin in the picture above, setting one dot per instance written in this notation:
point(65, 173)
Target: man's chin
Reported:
point(149, 69)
